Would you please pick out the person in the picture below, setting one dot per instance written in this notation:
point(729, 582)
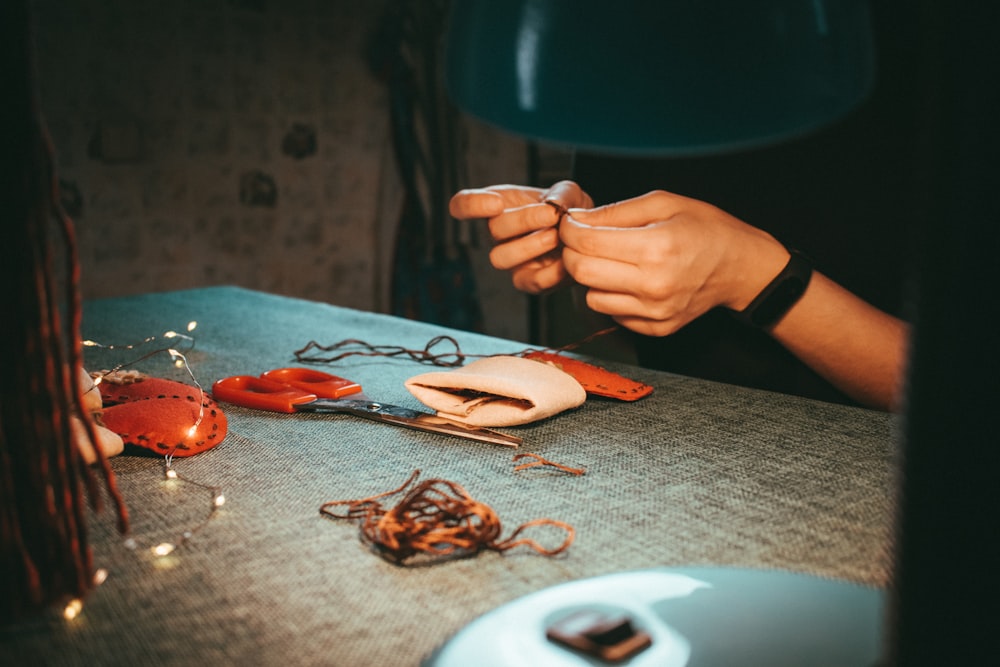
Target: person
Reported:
point(657, 262)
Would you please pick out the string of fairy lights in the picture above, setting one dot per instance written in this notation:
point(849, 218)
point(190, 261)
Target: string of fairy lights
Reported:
point(170, 474)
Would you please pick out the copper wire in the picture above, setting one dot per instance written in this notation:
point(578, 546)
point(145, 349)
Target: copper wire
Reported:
point(436, 519)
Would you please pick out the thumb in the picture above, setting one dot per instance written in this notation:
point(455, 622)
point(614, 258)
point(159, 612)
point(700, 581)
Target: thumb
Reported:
point(566, 195)
point(638, 211)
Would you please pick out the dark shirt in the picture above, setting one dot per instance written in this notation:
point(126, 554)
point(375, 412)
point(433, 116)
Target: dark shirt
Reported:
point(848, 196)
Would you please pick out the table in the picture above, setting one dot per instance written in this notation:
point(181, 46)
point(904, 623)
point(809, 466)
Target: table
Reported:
point(696, 474)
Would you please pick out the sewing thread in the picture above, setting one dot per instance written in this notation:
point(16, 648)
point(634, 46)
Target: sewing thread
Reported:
point(539, 461)
point(436, 519)
point(312, 351)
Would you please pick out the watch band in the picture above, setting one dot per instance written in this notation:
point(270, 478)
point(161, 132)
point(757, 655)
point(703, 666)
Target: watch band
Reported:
point(780, 294)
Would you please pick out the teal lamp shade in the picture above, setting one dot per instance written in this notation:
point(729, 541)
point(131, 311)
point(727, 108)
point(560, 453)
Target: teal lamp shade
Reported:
point(659, 77)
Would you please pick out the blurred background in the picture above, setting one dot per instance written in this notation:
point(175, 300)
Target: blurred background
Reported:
point(251, 143)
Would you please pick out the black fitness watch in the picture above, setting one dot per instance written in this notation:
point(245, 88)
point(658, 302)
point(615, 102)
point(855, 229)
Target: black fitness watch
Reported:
point(780, 295)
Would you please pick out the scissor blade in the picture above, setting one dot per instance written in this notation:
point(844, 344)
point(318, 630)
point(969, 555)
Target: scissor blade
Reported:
point(400, 416)
point(435, 424)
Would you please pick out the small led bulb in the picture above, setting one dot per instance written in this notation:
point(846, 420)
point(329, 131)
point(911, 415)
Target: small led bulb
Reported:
point(219, 500)
point(163, 549)
point(72, 609)
point(170, 473)
point(100, 576)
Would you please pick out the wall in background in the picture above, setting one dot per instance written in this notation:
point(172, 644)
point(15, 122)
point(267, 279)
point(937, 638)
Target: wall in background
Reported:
point(241, 142)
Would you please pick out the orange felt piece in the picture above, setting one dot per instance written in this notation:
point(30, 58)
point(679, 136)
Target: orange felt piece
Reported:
point(163, 416)
point(595, 380)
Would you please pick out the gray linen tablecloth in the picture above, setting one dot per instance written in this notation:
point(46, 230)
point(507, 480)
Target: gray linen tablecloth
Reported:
point(696, 474)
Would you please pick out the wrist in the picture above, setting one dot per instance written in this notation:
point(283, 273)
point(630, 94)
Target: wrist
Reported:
point(779, 295)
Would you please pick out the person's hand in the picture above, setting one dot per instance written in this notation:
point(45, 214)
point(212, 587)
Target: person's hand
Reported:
point(108, 442)
point(524, 223)
point(658, 261)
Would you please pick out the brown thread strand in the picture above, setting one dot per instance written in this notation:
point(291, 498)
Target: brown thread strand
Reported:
point(438, 519)
point(364, 349)
point(539, 461)
point(349, 347)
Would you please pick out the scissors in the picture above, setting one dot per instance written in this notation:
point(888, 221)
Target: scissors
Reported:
point(309, 390)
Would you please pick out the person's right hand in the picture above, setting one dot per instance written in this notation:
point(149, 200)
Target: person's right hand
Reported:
point(658, 261)
point(523, 222)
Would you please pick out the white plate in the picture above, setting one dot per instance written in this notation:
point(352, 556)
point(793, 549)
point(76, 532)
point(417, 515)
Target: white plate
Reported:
point(697, 617)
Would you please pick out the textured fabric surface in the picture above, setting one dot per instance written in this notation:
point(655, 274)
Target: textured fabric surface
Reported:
point(697, 473)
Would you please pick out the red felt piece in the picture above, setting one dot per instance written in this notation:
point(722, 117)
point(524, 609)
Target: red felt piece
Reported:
point(158, 415)
point(595, 380)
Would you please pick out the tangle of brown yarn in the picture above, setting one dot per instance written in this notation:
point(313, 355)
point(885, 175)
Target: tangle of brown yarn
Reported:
point(539, 461)
point(437, 519)
point(311, 352)
point(45, 557)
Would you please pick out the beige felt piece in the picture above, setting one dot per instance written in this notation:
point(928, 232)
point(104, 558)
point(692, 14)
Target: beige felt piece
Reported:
point(498, 391)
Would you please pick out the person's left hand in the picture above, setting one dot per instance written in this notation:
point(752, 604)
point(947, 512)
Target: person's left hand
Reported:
point(658, 261)
point(522, 221)
point(109, 443)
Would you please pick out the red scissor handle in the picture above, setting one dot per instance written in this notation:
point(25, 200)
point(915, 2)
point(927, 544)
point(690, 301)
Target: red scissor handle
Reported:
point(316, 382)
point(260, 394)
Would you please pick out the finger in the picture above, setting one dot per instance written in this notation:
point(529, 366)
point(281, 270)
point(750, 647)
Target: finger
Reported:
point(634, 212)
point(475, 203)
point(518, 195)
point(92, 401)
point(649, 327)
point(515, 222)
point(565, 195)
point(615, 304)
point(469, 203)
point(631, 313)
point(624, 244)
point(110, 443)
point(524, 249)
point(540, 275)
point(603, 274)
